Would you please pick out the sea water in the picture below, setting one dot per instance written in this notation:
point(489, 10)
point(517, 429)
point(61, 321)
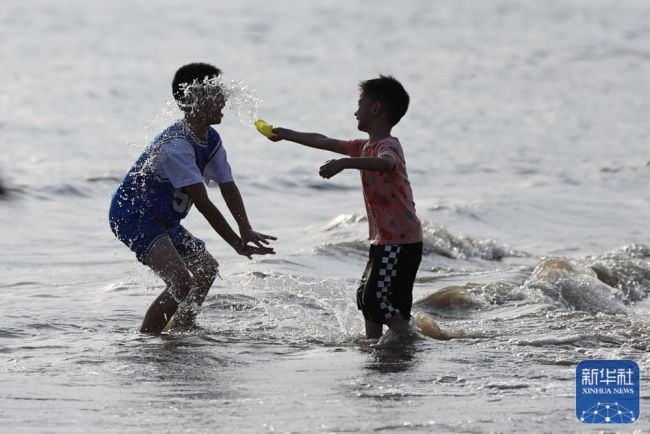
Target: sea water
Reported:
point(527, 148)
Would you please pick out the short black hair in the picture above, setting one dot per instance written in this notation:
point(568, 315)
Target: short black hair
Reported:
point(190, 73)
point(390, 93)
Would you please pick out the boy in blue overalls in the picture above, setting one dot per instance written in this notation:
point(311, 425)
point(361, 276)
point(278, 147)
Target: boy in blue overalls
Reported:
point(158, 191)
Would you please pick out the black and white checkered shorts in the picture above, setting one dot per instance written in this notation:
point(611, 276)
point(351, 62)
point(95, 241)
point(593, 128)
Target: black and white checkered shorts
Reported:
point(387, 284)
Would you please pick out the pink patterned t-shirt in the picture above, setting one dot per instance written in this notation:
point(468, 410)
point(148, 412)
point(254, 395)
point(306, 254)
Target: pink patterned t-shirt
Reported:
point(388, 195)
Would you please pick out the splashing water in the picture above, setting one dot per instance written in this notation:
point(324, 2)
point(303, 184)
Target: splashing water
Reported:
point(240, 101)
point(165, 116)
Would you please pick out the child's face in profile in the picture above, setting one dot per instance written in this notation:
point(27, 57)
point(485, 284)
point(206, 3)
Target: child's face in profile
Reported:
point(365, 112)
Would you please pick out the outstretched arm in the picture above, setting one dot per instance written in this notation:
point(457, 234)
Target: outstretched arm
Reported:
point(313, 140)
point(379, 164)
point(233, 199)
point(199, 196)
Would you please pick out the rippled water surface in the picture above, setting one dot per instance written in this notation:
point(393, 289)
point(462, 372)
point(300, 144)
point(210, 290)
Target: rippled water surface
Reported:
point(527, 147)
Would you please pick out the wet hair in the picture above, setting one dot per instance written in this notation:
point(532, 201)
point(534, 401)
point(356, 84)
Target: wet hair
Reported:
point(390, 93)
point(188, 75)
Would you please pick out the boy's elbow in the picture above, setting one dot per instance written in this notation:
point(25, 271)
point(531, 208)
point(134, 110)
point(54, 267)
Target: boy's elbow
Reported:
point(201, 202)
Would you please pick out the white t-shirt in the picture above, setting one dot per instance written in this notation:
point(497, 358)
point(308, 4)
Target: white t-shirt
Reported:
point(178, 164)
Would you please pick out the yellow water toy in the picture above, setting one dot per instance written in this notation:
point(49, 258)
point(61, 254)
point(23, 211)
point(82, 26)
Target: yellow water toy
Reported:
point(265, 129)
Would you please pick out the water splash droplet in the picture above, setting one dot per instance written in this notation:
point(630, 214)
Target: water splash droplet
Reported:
point(240, 101)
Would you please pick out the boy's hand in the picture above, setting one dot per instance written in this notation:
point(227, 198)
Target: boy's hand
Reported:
point(249, 251)
point(331, 168)
point(276, 137)
point(248, 235)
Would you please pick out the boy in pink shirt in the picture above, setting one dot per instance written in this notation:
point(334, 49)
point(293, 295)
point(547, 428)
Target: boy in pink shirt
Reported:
point(395, 234)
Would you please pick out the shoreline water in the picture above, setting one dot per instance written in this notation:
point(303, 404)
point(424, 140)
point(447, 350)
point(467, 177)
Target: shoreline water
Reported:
point(526, 146)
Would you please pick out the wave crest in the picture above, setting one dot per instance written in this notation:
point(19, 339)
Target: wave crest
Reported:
point(438, 240)
point(606, 283)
